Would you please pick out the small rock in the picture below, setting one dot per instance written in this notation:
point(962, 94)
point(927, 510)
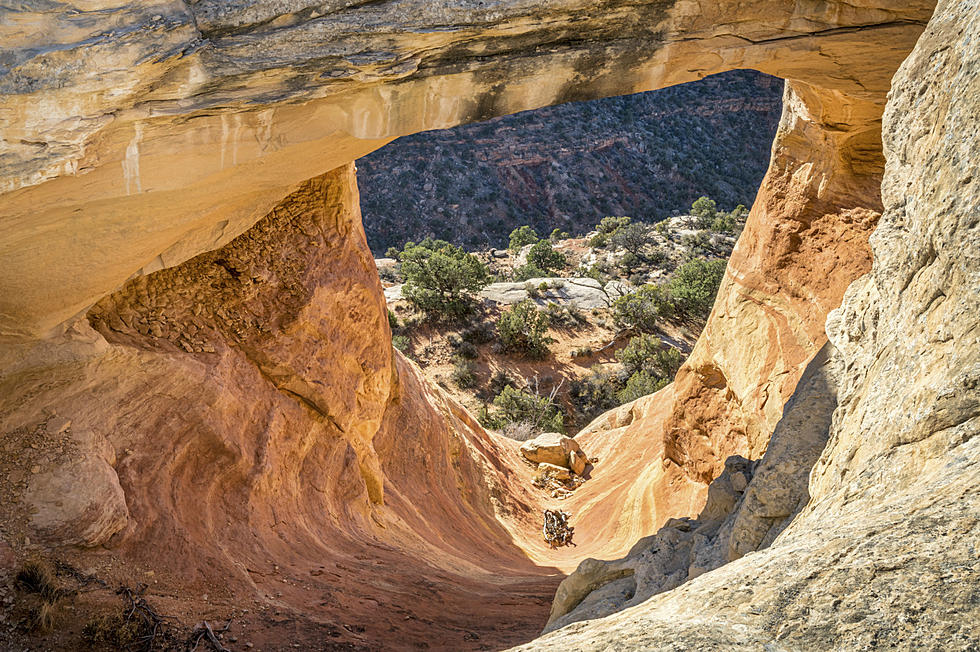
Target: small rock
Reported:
point(546, 470)
point(739, 483)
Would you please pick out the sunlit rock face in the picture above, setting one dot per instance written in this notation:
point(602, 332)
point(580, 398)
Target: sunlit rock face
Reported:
point(884, 547)
point(138, 135)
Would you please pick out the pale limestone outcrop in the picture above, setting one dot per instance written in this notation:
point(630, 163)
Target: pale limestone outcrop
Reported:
point(884, 551)
point(137, 135)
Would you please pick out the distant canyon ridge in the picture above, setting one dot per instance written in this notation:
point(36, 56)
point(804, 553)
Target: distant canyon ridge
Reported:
point(645, 155)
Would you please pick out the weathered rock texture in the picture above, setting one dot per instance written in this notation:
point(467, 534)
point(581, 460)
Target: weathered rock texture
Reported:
point(233, 390)
point(245, 429)
point(137, 135)
point(884, 551)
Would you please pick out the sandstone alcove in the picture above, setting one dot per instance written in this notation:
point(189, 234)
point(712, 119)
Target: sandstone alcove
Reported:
point(227, 412)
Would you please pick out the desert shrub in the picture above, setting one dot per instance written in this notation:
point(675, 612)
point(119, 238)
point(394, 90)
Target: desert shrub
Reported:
point(463, 373)
point(440, 278)
point(657, 257)
point(599, 271)
point(628, 262)
point(529, 271)
point(641, 309)
point(609, 225)
point(594, 394)
point(116, 632)
point(647, 353)
point(521, 237)
point(705, 210)
point(569, 316)
point(582, 352)
point(392, 320)
point(479, 333)
point(558, 234)
point(632, 237)
point(697, 244)
point(543, 256)
point(514, 406)
point(523, 329)
point(498, 381)
point(724, 223)
point(401, 342)
point(468, 351)
point(390, 274)
point(694, 285)
point(640, 384)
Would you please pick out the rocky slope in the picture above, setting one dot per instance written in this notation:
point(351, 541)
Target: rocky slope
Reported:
point(646, 156)
point(228, 411)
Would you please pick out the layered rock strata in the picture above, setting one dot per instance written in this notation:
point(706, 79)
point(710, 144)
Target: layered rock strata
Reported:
point(138, 135)
point(241, 426)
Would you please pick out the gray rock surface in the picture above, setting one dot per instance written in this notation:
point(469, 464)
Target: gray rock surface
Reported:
point(585, 293)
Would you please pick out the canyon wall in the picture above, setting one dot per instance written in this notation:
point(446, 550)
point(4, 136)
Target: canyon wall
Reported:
point(242, 428)
point(879, 546)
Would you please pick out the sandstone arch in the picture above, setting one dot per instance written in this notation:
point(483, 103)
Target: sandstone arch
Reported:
point(140, 163)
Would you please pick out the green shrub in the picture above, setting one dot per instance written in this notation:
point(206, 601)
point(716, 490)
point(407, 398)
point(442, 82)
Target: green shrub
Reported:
point(543, 256)
point(400, 342)
point(724, 223)
point(392, 320)
point(705, 210)
point(643, 308)
point(631, 237)
point(640, 384)
point(514, 406)
point(558, 234)
point(610, 225)
point(495, 385)
point(479, 333)
point(647, 353)
point(441, 279)
point(523, 329)
point(694, 285)
point(594, 394)
point(521, 237)
point(464, 373)
point(525, 272)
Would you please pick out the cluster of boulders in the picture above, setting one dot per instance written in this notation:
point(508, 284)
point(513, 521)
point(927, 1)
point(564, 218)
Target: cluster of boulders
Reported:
point(560, 461)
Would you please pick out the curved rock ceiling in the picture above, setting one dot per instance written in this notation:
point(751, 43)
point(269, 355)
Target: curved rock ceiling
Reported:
point(137, 135)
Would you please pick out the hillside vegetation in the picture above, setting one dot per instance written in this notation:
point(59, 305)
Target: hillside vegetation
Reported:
point(647, 155)
point(551, 332)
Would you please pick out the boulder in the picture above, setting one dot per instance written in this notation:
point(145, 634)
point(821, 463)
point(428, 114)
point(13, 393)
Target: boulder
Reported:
point(556, 449)
point(577, 461)
point(547, 471)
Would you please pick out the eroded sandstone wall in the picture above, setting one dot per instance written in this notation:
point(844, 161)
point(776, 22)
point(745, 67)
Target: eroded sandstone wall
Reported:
point(242, 427)
point(884, 552)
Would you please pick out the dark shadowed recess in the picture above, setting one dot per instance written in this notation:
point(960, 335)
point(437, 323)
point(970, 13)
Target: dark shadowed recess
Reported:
point(648, 155)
